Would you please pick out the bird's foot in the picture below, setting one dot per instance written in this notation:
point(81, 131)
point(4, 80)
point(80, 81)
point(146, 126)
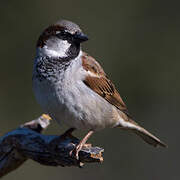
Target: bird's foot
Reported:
point(76, 150)
point(82, 143)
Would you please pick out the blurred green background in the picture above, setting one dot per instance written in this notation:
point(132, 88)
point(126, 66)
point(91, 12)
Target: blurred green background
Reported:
point(137, 42)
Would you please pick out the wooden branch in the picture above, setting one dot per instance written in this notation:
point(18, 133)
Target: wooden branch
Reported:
point(27, 142)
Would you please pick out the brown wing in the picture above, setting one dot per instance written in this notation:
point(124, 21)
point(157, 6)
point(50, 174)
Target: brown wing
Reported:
point(99, 82)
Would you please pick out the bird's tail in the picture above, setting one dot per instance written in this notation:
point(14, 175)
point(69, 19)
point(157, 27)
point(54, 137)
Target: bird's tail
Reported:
point(144, 134)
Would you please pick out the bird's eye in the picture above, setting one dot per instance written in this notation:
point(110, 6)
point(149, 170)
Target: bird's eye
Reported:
point(63, 35)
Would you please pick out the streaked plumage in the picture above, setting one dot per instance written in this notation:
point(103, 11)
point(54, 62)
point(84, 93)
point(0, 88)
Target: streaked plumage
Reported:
point(72, 87)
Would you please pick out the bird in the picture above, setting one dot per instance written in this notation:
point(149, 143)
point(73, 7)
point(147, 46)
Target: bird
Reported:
point(72, 87)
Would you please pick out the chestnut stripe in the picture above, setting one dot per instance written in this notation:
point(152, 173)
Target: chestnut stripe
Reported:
point(50, 31)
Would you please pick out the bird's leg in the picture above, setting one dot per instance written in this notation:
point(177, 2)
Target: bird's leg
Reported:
point(68, 133)
point(81, 144)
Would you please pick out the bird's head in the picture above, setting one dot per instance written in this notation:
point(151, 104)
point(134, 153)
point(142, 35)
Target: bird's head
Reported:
point(61, 39)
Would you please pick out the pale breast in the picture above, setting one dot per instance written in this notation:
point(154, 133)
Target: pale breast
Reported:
point(82, 108)
point(70, 101)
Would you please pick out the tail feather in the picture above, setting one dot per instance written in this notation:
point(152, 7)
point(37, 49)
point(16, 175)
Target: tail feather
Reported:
point(148, 137)
point(143, 133)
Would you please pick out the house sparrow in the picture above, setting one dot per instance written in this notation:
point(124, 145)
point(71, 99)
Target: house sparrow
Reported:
point(72, 87)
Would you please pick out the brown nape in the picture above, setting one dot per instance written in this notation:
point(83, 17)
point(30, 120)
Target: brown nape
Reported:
point(50, 31)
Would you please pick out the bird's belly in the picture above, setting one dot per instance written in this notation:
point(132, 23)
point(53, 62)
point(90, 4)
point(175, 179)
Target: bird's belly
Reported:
point(76, 105)
point(84, 109)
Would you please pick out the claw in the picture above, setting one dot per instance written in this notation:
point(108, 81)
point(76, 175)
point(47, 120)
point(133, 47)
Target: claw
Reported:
point(78, 148)
point(76, 151)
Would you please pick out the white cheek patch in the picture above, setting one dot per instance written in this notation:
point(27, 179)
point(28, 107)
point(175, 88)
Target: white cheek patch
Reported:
point(56, 50)
point(52, 53)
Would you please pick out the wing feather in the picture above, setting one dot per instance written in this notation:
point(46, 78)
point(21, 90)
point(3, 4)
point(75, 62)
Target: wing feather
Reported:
point(100, 83)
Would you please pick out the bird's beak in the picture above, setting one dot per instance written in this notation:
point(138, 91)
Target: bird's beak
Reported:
point(80, 37)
